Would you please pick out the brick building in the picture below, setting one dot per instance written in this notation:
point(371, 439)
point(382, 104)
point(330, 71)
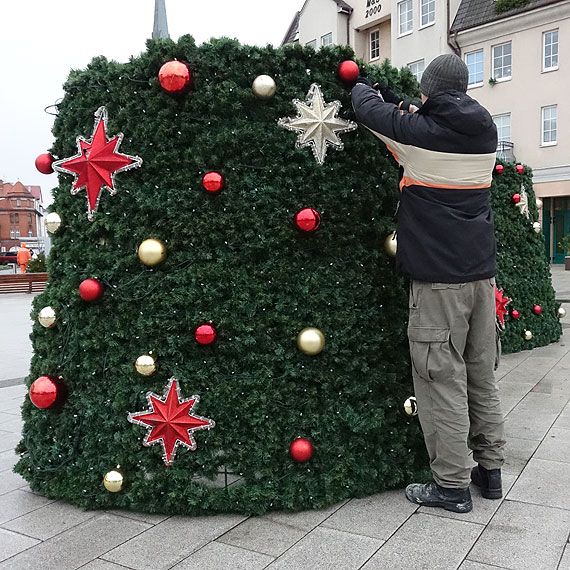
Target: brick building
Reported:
point(21, 217)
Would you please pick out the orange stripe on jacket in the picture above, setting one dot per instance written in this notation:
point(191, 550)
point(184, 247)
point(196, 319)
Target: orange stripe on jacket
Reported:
point(407, 181)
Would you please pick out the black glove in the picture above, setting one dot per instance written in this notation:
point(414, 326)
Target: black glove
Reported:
point(387, 94)
point(406, 103)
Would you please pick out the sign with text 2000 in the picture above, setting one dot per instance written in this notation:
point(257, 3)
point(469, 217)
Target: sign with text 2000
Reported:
point(372, 7)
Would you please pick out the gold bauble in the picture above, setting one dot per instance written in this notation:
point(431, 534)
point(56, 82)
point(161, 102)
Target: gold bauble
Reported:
point(411, 406)
point(536, 227)
point(527, 335)
point(47, 317)
point(538, 203)
point(145, 365)
point(264, 87)
point(561, 312)
point(53, 221)
point(391, 244)
point(152, 252)
point(311, 341)
point(113, 481)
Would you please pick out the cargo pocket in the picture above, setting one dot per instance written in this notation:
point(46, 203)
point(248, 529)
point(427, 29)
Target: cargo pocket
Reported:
point(430, 352)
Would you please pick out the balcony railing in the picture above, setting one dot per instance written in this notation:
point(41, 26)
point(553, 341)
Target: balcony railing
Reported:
point(505, 151)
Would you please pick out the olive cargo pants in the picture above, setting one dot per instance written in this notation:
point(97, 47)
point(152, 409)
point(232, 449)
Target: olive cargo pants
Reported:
point(453, 347)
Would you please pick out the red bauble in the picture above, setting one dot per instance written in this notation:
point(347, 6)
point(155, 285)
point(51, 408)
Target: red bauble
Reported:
point(515, 314)
point(301, 449)
point(308, 220)
point(520, 168)
point(537, 309)
point(499, 168)
point(90, 290)
point(175, 77)
point(205, 334)
point(44, 162)
point(348, 71)
point(516, 198)
point(46, 392)
point(213, 182)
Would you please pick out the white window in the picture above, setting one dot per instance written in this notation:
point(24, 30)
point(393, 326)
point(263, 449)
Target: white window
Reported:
point(502, 61)
point(550, 50)
point(417, 68)
point(18, 202)
point(406, 17)
point(474, 61)
point(427, 12)
point(17, 234)
point(30, 233)
point(549, 125)
point(312, 43)
point(12, 234)
point(503, 123)
point(374, 44)
point(326, 40)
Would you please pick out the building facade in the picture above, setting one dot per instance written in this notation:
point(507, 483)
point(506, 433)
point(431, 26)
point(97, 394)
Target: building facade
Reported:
point(21, 217)
point(519, 67)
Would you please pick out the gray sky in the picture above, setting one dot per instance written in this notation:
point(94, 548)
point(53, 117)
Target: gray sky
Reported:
point(41, 40)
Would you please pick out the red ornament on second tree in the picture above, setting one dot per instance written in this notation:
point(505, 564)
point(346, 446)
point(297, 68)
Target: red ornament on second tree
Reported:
point(515, 314)
point(520, 168)
point(516, 198)
point(175, 77)
point(307, 220)
point(348, 71)
point(46, 392)
point(205, 334)
point(301, 449)
point(90, 290)
point(537, 309)
point(213, 182)
point(499, 168)
point(44, 163)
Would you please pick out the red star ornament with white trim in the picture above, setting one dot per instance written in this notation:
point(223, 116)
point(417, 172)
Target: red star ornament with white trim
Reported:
point(96, 163)
point(170, 421)
point(501, 303)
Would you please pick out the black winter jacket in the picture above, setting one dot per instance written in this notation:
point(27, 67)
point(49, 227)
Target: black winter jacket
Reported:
point(447, 150)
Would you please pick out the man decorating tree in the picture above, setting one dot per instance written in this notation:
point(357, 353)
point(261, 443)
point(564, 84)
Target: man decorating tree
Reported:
point(446, 245)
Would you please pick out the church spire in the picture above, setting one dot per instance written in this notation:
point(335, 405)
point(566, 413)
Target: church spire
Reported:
point(160, 29)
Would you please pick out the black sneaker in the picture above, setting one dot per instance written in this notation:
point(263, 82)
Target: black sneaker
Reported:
point(432, 495)
point(489, 481)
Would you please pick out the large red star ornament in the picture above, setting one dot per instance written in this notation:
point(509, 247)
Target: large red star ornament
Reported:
point(170, 421)
point(501, 303)
point(96, 163)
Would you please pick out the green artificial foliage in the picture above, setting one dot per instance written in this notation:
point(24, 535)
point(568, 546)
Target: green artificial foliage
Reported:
point(506, 5)
point(235, 259)
point(523, 269)
point(37, 264)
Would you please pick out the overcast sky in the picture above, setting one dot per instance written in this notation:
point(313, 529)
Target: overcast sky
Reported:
point(41, 40)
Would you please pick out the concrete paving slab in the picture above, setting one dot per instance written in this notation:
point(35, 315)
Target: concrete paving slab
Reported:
point(518, 453)
point(11, 406)
point(533, 416)
point(468, 565)
point(14, 393)
point(10, 481)
point(149, 518)
point(563, 420)
point(483, 509)
point(555, 446)
point(48, 521)
point(7, 460)
point(170, 542)
point(326, 548)
point(216, 556)
point(523, 537)
point(304, 520)
point(18, 503)
point(543, 483)
point(8, 440)
point(13, 543)
point(556, 383)
point(378, 516)
point(565, 562)
point(426, 542)
point(13, 425)
point(99, 564)
point(512, 394)
point(263, 535)
point(77, 546)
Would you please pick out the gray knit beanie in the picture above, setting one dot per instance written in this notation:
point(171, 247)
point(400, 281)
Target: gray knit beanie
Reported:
point(446, 72)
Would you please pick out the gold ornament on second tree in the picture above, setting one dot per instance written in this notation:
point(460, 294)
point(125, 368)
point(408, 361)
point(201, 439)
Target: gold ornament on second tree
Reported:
point(47, 317)
point(411, 406)
point(561, 312)
point(145, 365)
point(391, 244)
point(152, 252)
point(311, 341)
point(264, 87)
point(53, 221)
point(527, 335)
point(113, 481)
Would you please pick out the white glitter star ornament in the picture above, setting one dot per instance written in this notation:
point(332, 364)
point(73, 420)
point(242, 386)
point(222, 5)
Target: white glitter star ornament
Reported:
point(317, 124)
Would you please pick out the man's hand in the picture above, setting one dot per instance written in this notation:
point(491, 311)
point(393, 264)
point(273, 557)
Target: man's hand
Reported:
point(364, 81)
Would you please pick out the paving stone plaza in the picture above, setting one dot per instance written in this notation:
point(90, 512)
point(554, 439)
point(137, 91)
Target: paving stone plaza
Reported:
point(528, 529)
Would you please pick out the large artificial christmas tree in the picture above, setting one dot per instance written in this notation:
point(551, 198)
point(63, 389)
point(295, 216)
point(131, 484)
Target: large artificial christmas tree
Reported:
point(231, 303)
